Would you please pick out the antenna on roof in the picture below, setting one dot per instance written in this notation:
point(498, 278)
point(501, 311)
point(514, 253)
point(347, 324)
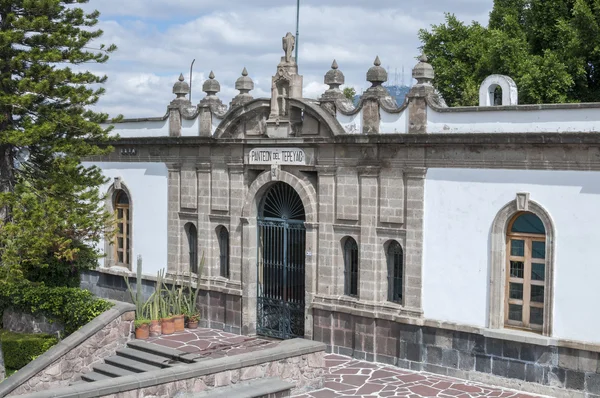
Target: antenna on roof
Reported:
point(191, 71)
point(297, 28)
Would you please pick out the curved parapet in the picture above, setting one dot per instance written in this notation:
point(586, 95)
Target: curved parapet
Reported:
point(487, 91)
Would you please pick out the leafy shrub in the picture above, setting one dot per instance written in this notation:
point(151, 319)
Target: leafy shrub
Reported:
point(72, 307)
point(20, 348)
point(62, 272)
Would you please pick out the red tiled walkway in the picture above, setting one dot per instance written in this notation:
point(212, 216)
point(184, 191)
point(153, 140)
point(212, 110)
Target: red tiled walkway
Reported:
point(212, 343)
point(349, 378)
point(345, 377)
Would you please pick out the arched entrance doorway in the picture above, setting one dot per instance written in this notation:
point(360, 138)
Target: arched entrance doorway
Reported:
point(281, 261)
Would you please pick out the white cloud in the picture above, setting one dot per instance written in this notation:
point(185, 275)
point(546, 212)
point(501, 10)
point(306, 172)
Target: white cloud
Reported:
point(157, 40)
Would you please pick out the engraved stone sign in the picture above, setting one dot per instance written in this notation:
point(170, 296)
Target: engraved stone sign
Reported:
point(283, 156)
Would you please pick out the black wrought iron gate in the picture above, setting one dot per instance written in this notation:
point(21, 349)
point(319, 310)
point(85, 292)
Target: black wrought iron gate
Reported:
point(281, 258)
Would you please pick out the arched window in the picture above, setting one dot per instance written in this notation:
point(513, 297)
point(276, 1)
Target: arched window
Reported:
point(395, 264)
point(224, 252)
point(498, 96)
point(526, 272)
point(350, 267)
point(122, 244)
point(192, 238)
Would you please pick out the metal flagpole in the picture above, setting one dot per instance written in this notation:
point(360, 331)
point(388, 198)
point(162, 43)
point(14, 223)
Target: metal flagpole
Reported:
point(297, 27)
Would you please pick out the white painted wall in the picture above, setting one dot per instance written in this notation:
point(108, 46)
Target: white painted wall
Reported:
point(547, 120)
point(460, 206)
point(190, 128)
point(158, 128)
point(393, 123)
point(351, 124)
point(147, 184)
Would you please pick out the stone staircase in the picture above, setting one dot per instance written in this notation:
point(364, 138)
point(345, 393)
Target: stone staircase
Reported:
point(137, 357)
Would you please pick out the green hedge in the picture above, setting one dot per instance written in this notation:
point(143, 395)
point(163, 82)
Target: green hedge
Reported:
point(72, 307)
point(20, 349)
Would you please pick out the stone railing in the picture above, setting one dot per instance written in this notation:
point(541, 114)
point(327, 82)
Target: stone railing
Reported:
point(298, 361)
point(74, 355)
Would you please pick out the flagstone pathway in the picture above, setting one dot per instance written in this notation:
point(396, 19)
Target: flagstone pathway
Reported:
point(212, 343)
point(349, 378)
point(345, 377)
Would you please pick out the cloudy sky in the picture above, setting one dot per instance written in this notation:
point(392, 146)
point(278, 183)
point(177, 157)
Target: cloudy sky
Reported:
point(158, 39)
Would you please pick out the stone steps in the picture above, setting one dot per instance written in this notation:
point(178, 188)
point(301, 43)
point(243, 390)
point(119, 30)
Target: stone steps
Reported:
point(137, 357)
point(130, 364)
point(145, 357)
point(93, 376)
point(111, 371)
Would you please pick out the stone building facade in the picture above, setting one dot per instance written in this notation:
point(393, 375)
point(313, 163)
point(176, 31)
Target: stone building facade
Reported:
point(428, 237)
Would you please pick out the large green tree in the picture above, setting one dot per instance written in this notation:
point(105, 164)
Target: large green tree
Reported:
point(549, 47)
point(50, 205)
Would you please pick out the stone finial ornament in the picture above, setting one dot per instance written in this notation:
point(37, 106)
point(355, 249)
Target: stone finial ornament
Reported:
point(211, 86)
point(423, 71)
point(244, 85)
point(334, 79)
point(376, 74)
point(181, 88)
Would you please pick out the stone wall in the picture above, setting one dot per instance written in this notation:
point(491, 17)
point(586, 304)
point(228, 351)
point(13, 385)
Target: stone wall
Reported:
point(299, 362)
point(20, 322)
point(76, 354)
point(2, 369)
point(546, 369)
point(305, 371)
point(218, 310)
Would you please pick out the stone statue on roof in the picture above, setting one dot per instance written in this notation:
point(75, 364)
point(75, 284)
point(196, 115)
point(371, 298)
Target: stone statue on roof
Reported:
point(289, 41)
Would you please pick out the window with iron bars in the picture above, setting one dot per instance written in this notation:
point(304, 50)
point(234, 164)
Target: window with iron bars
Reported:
point(192, 236)
point(395, 263)
point(351, 267)
point(224, 252)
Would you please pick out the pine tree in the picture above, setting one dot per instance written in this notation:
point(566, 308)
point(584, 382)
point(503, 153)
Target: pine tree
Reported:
point(50, 205)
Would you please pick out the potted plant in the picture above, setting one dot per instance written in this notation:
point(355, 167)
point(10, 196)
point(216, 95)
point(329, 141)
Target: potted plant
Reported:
point(142, 329)
point(167, 325)
point(141, 322)
point(193, 320)
point(154, 306)
point(190, 302)
point(175, 297)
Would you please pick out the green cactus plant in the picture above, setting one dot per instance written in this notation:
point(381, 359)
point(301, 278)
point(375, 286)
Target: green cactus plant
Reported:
point(136, 297)
point(191, 298)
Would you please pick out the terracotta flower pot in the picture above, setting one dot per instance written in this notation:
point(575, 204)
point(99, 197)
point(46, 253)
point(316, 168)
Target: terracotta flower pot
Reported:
point(179, 322)
point(192, 324)
point(142, 332)
point(167, 326)
point(155, 328)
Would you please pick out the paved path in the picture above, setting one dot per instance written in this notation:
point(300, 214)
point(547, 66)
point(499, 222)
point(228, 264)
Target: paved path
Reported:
point(212, 343)
point(349, 378)
point(346, 377)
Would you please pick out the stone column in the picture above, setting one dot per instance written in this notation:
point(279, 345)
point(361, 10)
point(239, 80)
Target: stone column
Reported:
point(415, 203)
point(237, 190)
point(249, 282)
point(326, 249)
point(174, 121)
point(369, 244)
point(174, 230)
point(204, 231)
point(311, 276)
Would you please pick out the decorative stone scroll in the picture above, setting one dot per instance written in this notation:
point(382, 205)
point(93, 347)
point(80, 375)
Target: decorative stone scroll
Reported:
point(278, 156)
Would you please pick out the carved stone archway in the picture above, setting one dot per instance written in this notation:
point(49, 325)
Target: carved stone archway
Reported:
point(308, 195)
